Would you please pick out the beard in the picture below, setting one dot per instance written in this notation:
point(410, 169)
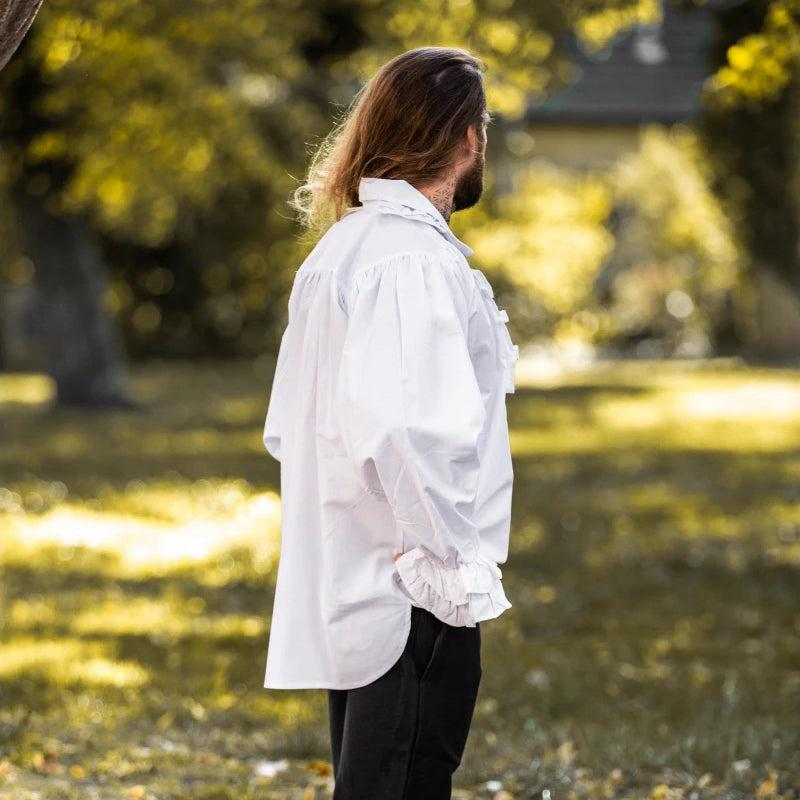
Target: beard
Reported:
point(470, 185)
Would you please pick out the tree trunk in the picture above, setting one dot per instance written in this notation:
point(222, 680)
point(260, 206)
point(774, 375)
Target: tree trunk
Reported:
point(778, 317)
point(755, 154)
point(79, 341)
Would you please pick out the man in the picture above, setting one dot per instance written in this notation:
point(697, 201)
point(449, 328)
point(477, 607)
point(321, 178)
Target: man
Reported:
point(388, 416)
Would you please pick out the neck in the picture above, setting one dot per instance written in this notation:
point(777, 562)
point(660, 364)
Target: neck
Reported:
point(441, 195)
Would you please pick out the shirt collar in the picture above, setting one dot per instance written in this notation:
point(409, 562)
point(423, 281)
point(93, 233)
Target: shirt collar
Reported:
point(398, 196)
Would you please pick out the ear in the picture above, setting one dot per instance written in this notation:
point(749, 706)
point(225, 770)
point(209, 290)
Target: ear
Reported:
point(473, 142)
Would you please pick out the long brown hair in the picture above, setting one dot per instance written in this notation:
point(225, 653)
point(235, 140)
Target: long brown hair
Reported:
point(404, 123)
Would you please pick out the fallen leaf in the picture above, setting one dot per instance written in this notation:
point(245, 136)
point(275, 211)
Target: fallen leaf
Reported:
point(767, 788)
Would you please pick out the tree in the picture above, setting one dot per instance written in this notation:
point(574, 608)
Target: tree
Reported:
point(752, 140)
point(129, 122)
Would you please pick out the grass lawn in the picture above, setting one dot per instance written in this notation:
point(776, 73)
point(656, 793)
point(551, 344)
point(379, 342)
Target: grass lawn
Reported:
point(652, 651)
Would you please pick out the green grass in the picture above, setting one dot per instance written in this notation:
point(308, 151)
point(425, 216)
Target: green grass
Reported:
point(652, 651)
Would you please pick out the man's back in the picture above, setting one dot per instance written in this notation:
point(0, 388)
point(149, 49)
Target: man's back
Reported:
point(388, 416)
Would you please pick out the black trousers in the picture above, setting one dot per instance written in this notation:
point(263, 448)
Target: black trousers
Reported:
point(402, 736)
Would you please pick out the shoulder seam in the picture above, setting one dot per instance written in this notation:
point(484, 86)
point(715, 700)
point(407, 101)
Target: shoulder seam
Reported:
point(356, 277)
point(399, 254)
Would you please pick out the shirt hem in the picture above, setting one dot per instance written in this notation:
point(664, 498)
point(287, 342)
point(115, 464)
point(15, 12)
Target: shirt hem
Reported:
point(379, 672)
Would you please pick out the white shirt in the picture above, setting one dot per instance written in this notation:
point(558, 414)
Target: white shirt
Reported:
point(388, 416)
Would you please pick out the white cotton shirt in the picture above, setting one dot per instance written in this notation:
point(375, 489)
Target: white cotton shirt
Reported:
point(387, 414)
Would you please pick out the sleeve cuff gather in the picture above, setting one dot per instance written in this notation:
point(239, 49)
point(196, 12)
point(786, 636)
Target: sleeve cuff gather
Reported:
point(461, 596)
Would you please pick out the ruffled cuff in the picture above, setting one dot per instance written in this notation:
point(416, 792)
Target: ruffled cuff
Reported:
point(463, 595)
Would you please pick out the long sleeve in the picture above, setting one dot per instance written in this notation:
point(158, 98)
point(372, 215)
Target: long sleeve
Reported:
point(274, 423)
point(411, 418)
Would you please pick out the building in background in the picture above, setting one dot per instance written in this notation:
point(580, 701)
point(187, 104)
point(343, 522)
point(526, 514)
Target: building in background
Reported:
point(649, 74)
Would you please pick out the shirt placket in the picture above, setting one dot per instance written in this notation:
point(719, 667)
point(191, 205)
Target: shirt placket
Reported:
point(509, 352)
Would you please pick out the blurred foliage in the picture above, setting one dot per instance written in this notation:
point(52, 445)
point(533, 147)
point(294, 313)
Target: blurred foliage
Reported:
point(677, 265)
point(179, 130)
point(155, 108)
point(601, 24)
point(652, 650)
point(643, 250)
point(760, 65)
point(548, 240)
point(169, 129)
point(750, 134)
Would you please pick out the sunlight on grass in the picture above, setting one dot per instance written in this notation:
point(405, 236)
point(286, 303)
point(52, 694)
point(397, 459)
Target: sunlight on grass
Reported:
point(637, 405)
point(66, 662)
point(748, 401)
point(146, 617)
point(152, 529)
point(27, 388)
point(126, 615)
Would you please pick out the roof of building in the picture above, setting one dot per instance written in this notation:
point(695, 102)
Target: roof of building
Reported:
point(647, 74)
